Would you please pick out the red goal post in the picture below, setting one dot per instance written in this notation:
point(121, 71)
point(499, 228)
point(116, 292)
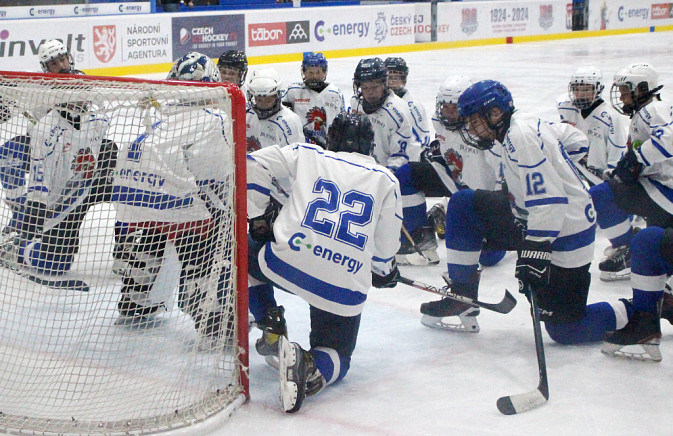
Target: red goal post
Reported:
point(68, 364)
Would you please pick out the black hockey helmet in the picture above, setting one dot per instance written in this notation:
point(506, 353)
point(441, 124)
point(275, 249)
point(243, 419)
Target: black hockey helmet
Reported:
point(398, 65)
point(368, 70)
point(237, 60)
point(351, 132)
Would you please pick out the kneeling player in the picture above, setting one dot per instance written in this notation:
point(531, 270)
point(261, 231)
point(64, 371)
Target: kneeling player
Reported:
point(336, 236)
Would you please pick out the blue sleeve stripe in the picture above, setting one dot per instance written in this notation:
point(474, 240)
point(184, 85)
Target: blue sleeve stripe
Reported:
point(309, 283)
point(660, 147)
point(259, 188)
point(154, 200)
point(575, 241)
point(545, 201)
point(543, 233)
point(380, 259)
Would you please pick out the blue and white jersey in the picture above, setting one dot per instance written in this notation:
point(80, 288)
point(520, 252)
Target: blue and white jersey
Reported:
point(651, 137)
point(394, 141)
point(605, 129)
point(282, 128)
point(467, 165)
point(420, 124)
point(317, 110)
point(15, 155)
point(547, 191)
point(341, 222)
point(64, 157)
point(160, 174)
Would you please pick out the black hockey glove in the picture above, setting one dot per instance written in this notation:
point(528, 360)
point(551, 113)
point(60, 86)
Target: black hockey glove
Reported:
point(388, 281)
point(533, 265)
point(34, 215)
point(432, 153)
point(261, 227)
point(316, 137)
point(628, 168)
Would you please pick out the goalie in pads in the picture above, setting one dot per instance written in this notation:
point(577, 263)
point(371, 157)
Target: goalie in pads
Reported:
point(185, 162)
point(336, 236)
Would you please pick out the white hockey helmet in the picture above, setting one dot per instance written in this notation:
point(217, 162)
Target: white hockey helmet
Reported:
point(448, 93)
point(641, 79)
point(265, 82)
point(51, 50)
point(194, 66)
point(585, 87)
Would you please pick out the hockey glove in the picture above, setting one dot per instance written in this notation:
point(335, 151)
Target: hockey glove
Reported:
point(533, 265)
point(315, 136)
point(261, 227)
point(628, 168)
point(432, 153)
point(388, 281)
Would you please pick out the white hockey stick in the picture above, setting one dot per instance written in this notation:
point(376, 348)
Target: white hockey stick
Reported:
point(519, 403)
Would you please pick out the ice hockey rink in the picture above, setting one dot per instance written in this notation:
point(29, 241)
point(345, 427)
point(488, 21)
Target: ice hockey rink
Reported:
point(407, 379)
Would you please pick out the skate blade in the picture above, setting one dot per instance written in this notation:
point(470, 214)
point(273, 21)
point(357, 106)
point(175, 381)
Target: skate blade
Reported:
point(466, 324)
point(288, 389)
point(643, 352)
point(431, 258)
point(609, 276)
point(272, 361)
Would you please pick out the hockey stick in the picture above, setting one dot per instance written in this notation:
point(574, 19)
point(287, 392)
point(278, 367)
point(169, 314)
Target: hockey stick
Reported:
point(519, 403)
point(504, 306)
point(425, 260)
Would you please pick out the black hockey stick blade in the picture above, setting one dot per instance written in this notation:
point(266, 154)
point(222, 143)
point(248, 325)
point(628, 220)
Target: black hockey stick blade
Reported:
point(505, 305)
point(519, 403)
point(66, 284)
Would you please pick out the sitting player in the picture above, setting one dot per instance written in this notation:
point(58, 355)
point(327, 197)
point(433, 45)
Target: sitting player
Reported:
point(334, 239)
point(233, 66)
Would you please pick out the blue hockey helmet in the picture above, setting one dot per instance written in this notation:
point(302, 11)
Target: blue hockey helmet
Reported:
point(311, 59)
point(480, 98)
point(314, 81)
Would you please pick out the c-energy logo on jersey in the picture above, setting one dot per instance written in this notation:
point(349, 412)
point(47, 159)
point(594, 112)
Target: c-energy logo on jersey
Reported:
point(296, 243)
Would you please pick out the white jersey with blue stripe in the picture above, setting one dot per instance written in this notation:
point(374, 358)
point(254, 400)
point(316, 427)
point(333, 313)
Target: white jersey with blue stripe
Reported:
point(547, 191)
point(605, 129)
point(282, 128)
point(394, 141)
point(651, 136)
point(317, 110)
point(160, 175)
point(341, 222)
point(420, 123)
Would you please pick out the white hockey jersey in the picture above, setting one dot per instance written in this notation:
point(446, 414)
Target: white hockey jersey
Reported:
point(394, 141)
point(158, 175)
point(341, 221)
point(547, 191)
point(651, 136)
point(283, 128)
point(420, 124)
point(64, 158)
point(317, 110)
point(12, 171)
point(467, 165)
point(605, 129)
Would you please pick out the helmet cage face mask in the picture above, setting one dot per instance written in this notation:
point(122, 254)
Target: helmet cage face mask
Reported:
point(449, 93)
point(53, 51)
point(585, 87)
point(480, 99)
point(234, 60)
point(371, 70)
point(311, 59)
point(639, 81)
point(265, 83)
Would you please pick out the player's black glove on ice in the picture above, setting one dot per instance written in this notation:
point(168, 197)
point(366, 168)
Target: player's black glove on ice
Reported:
point(388, 281)
point(432, 153)
point(628, 168)
point(533, 265)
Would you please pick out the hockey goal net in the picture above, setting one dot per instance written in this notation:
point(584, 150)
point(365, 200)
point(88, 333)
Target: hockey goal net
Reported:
point(78, 354)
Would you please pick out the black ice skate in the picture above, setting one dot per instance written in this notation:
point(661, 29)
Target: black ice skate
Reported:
point(437, 219)
point(617, 264)
point(639, 339)
point(667, 302)
point(434, 312)
point(425, 241)
point(273, 326)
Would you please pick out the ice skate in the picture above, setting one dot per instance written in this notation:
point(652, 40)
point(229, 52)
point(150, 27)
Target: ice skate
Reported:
point(132, 313)
point(638, 340)
point(293, 374)
point(617, 264)
point(434, 312)
point(9, 251)
point(273, 326)
point(437, 219)
point(426, 242)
